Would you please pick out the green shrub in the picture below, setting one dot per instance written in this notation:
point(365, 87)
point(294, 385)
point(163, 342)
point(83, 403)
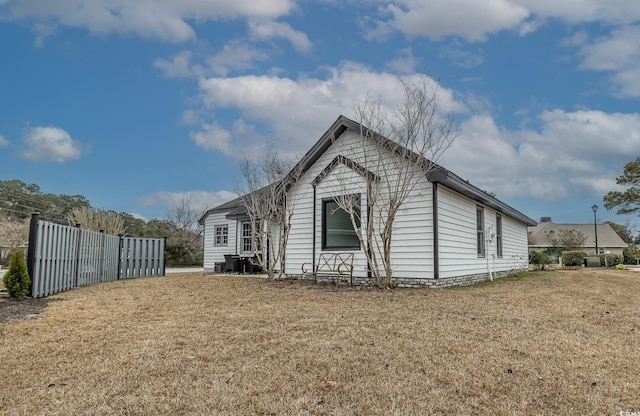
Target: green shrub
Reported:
point(620, 266)
point(630, 254)
point(610, 260)
point(573, 258)
point(539, 259)
point(16, 280)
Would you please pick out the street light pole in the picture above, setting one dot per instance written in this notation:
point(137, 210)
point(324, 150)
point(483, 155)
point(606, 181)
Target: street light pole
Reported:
point(595, 226)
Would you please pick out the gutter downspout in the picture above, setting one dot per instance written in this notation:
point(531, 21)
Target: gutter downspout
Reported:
point(487, 250)
point(436, 254)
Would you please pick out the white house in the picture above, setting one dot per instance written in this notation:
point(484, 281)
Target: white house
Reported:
point(447, 233)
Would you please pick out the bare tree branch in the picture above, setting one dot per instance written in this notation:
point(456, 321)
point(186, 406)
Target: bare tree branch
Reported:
point(400, 147)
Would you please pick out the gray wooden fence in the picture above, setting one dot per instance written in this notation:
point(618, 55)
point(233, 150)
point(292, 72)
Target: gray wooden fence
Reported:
point(61, 257)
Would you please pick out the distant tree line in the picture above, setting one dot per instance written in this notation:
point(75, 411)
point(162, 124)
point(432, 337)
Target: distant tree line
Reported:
point(19, 199)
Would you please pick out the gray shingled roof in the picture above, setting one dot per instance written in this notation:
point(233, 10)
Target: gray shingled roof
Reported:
point(438, 175)
point(540, 235)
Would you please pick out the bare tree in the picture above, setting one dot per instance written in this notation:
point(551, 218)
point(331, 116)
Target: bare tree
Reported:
point(264, 190)
point(397, 149)
point(185, 216)
point(14, 232)
point(97, 220)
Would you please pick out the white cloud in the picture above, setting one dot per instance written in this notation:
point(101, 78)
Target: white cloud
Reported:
point(198, 200)
point(618, 53)
point(178, 67)
point(461, 57)
point(42, 31)
point(579, 11)
point(404, 63)
point(475, 20)
point(50, 144)
point(295, 112)
point(3, 142)
point(213, 137)
point(165, 20)
point(572, 153)
point(269, 29)
point(470, 19)
point(235, 56)
point(577, 39)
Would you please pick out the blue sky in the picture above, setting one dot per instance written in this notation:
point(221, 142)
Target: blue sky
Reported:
point(137, 104)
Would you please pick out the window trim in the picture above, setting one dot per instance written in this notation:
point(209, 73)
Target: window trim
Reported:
point(499, 236)
point(243, 237)
point(480, 232)
point(323, 228)
point(224, 236)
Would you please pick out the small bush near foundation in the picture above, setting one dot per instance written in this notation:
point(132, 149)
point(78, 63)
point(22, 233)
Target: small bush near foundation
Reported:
point(573, 258)
point(620, 266)
point(539, 259)
point(16, 281)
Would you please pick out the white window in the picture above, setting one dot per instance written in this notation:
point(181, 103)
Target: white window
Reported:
point(246, 239)
point(221, 235)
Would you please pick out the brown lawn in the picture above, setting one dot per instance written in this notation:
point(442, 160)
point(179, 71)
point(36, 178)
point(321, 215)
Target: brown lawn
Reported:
point(564, 343)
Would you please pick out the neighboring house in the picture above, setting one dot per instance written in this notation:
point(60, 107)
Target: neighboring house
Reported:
point(546, 234)
point(439, 234)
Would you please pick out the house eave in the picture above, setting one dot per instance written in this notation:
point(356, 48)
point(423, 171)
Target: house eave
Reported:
point(452, 181)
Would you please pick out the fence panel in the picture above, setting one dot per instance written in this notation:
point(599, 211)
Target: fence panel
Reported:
point(142, 257)
point(53, 268)
point(62, 257)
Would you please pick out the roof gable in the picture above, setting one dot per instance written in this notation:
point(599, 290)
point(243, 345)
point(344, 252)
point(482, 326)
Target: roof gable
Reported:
point(436, 175)
point(342, 160)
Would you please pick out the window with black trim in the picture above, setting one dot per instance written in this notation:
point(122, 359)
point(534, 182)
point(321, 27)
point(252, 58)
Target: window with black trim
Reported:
point(337, 229)
point(480, 229)
point(499, 235)
point(221, 235)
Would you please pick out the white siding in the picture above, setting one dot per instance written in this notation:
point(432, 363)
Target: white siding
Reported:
point(212, 253)
point(457, 235)
point(412, 246)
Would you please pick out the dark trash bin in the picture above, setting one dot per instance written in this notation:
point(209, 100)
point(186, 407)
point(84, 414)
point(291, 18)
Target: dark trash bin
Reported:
point(231, 263)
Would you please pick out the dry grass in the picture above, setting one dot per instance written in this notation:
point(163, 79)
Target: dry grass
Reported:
point(558, 343)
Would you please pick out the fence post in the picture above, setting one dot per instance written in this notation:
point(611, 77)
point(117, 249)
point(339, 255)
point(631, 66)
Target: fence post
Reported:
point(164, 257)
point(31, 250)
point(120, 244)
point(101, 257)
point(78, 243)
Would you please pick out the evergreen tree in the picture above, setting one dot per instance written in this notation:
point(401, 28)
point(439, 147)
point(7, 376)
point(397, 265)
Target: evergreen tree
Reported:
point(16, 280)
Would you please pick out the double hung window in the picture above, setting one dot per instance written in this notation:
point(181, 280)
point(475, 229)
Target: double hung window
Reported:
point(221, 235)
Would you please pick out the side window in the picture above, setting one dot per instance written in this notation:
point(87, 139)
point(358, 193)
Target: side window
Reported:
point(247, 231)
point(499, 235)
point(221, 235)
point(480, 230)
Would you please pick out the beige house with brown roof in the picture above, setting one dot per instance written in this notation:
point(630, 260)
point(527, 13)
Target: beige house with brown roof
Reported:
point(542, 236)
